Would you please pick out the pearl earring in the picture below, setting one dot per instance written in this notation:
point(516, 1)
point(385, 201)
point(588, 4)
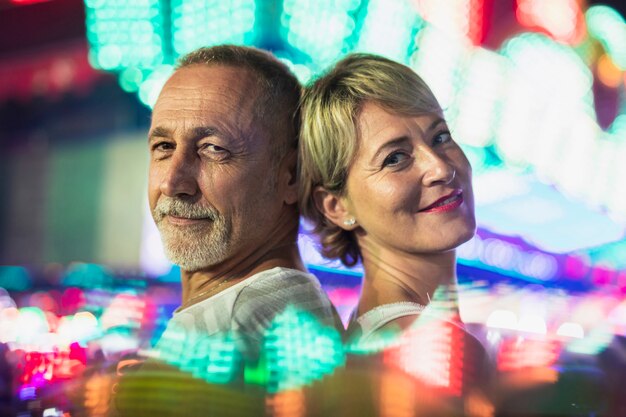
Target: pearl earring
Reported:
point(349, 222)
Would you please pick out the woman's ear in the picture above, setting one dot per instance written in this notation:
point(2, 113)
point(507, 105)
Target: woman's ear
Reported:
point(334, 208)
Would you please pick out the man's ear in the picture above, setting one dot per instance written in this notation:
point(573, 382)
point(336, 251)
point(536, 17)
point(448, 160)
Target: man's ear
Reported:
point(334, 208)
point(289, 176)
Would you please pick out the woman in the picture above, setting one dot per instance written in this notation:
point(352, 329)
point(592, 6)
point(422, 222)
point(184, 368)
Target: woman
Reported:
point(383, 182)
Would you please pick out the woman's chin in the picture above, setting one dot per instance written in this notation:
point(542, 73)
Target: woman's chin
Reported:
point(447, 243)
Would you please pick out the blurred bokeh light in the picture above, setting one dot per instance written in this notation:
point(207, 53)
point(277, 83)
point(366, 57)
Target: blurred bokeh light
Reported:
point(534, 92)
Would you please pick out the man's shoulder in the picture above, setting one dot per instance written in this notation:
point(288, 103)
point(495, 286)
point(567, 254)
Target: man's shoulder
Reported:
point(284, 278)
point(273, 291)
point(283, 286)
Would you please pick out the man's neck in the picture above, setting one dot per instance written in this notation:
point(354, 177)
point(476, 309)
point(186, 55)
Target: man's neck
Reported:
point(393, 276)
point(279, 250)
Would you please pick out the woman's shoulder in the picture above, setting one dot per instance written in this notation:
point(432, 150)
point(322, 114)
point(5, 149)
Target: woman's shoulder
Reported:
point(386, 318)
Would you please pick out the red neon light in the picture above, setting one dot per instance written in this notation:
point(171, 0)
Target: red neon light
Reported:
point(476, 21)
point(516, 354)
point(27, 2)
point(433, 353)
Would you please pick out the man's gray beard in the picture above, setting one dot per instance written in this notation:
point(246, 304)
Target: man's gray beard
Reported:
point(197, 246)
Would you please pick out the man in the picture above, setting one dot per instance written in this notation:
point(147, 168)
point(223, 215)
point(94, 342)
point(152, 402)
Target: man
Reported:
point(223, 192)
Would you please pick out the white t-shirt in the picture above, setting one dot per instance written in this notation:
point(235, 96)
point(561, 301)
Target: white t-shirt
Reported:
point(240, 315)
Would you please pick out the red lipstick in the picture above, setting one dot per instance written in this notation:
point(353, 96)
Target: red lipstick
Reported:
point(446, 203)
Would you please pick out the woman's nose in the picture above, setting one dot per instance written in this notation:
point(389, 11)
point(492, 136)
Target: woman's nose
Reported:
point(436, 169)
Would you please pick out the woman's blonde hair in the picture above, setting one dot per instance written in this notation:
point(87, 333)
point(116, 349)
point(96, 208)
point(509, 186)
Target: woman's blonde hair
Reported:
point(329, 135)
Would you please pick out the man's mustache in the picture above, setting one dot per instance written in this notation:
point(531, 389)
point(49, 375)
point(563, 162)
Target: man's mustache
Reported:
point(169, 206)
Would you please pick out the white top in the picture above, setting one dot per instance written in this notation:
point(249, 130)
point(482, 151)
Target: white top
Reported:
point(240, 314)
point(372, 321)
point(473, 359)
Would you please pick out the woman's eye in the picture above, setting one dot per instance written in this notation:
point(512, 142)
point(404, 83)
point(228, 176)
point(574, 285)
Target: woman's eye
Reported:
point(395, 158)
point(442, 137)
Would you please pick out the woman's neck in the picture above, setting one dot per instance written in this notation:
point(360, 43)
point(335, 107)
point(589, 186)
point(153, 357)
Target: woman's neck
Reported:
point(393, 276)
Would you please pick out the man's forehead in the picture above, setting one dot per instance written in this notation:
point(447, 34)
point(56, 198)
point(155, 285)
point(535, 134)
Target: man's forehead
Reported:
point(208, 89)
point(192, 107)
point(230, 85)
point(214, 76)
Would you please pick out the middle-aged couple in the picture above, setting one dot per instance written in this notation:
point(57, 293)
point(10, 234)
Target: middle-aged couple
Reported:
point(237, 151)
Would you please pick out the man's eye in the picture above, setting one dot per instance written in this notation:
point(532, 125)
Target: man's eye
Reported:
point(215, 150)
point(442, 137)
point(395, 158)
point(162, 146)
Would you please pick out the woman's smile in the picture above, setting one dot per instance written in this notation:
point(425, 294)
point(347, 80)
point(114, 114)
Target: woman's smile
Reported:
point(409, 186)
point(446, 203)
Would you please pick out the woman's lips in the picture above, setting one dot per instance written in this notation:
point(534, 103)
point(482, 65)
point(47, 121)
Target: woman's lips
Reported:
point(445, 204)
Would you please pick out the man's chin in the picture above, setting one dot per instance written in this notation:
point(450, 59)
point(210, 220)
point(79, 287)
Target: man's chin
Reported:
point(188, 265)
point(194, 248)
point(193, 258)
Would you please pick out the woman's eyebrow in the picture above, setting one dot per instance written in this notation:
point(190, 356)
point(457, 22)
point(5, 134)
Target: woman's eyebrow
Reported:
point(402, 139)
point(435, 123)
point(390, 144)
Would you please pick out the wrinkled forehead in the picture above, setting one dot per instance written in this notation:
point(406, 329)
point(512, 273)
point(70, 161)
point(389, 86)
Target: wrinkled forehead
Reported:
point(208, 94)
point(209, 85)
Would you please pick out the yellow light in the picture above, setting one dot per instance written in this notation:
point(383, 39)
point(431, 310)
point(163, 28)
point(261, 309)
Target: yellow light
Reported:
point(608, 73)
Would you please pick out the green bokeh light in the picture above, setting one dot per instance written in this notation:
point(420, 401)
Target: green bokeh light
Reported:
point(608, 26)
point(87, 276)
point(130, 79)
point(389, 28)
point(151, 87)
point(320, 29)
point(300, 350)
point(213, 358)
point(197, 23)
point(14, 278)
point(122, 34)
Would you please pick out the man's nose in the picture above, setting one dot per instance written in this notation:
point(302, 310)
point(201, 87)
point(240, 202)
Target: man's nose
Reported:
point(180, 177)
point(436, 169)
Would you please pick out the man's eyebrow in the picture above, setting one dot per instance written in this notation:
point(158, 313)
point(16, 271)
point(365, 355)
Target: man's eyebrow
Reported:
point(204, 131)
point(158, 132)
point(196, 133)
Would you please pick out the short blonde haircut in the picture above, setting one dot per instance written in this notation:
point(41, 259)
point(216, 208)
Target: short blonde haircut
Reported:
point(329, 135)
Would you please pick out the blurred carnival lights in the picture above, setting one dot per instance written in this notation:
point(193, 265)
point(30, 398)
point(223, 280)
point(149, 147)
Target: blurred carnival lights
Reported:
point(609, 28)
point(563, 19)
point(299, 350)
point(469, 80)
point(573, 330)
point(431, 351)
